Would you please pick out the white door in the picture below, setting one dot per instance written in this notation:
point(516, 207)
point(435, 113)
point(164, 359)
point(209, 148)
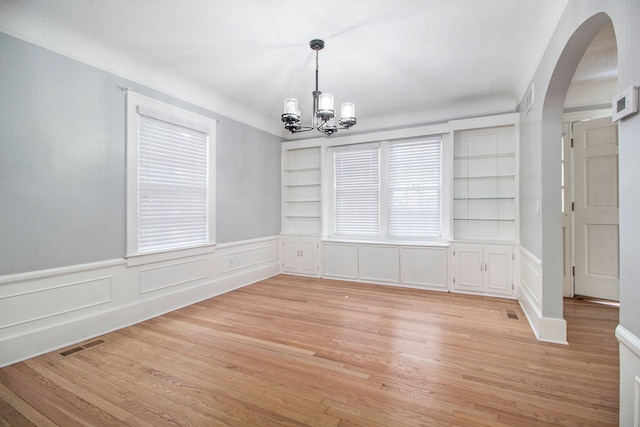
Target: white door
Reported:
point(596, 208)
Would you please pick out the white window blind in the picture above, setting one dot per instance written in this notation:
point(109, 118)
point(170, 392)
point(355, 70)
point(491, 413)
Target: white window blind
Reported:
point(357, 191)
point(173, 191)
point(414, 186)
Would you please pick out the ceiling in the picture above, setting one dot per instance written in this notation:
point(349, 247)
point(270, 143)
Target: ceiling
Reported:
point(402, 62)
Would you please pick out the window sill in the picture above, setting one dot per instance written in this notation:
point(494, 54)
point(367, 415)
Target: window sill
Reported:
point(415, 243)
point(141, 259)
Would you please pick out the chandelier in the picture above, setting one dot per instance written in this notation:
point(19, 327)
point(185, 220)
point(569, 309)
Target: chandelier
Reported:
point(323, 118)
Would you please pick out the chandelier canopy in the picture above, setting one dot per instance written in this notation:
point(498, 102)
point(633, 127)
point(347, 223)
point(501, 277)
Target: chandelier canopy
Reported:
point(323, 118)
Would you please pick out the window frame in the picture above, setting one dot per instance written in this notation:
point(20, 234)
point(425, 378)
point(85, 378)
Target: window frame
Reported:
point(135, 103)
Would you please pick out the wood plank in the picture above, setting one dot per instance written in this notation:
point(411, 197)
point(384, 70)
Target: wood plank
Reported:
point(302, 351)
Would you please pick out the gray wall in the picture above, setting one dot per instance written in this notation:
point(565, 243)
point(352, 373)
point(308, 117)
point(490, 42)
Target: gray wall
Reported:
point(62, 164)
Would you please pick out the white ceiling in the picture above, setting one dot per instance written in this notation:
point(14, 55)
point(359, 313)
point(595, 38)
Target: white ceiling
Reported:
point(402, 62)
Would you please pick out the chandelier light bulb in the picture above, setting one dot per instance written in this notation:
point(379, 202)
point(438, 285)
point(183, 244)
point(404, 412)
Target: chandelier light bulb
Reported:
point(291, 106)
point(325, 102)
point(348, 110)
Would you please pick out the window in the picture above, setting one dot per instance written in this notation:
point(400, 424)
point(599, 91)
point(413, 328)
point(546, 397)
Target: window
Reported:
point(391, 190)
point(357, 190)
point(170, 177)
point(414, 182)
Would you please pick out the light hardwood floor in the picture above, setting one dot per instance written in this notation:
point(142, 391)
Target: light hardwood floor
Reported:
point(298, 351)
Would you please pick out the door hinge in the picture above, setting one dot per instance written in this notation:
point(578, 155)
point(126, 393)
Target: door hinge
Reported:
point(454, 280)
point(512, 287)
point(573, 206)
point(571, 142)
point(454, 253)
point(573, 271)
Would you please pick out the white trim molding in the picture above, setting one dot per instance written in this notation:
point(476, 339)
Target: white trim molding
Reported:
point(546, 329)
point(51, 309)
point(627, 338)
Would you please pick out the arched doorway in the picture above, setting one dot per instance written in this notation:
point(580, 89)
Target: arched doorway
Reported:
point(550, 133)
point(589, 174)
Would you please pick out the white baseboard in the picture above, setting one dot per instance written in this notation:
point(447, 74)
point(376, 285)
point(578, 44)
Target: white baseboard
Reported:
point(56, 310)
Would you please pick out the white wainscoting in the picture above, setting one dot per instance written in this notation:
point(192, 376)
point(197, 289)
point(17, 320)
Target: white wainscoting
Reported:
point(423, 267)
point(530, 296)
point(629, 377)
point(51, 309)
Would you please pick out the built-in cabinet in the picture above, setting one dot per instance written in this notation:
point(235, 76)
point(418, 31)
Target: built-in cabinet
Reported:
point(300, 255)
point(485, 269)
point(485, 184)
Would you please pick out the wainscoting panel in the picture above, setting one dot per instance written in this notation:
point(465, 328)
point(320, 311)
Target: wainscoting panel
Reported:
point(340, 260)
point(36, 304)
point(174, 274)
point(379, 263)
point(235, 258)
point(424, 267)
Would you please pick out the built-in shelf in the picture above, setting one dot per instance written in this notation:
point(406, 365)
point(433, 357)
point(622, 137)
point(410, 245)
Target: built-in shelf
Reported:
point(484, 185)
point(301, 196)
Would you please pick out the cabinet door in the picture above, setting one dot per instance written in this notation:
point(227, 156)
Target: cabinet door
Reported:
point(308, 263)
point(468, 268)
point(498, 269)
point(290, 254)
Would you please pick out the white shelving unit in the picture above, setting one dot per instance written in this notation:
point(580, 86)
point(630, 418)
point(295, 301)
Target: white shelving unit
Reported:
point(485, 185)
point(302, 192)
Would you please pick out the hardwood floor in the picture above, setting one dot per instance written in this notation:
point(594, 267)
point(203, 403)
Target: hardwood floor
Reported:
point(297, 351)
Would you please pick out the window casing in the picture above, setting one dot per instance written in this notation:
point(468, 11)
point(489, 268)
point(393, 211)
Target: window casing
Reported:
point(170, 177)
point(389, 191)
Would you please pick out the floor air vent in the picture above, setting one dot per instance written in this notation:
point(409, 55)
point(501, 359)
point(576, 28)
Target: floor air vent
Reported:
point(82, 347)
point(511, 314)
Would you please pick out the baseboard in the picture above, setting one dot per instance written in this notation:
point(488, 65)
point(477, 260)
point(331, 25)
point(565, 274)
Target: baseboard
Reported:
point(546, 329)
point(121, 300)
